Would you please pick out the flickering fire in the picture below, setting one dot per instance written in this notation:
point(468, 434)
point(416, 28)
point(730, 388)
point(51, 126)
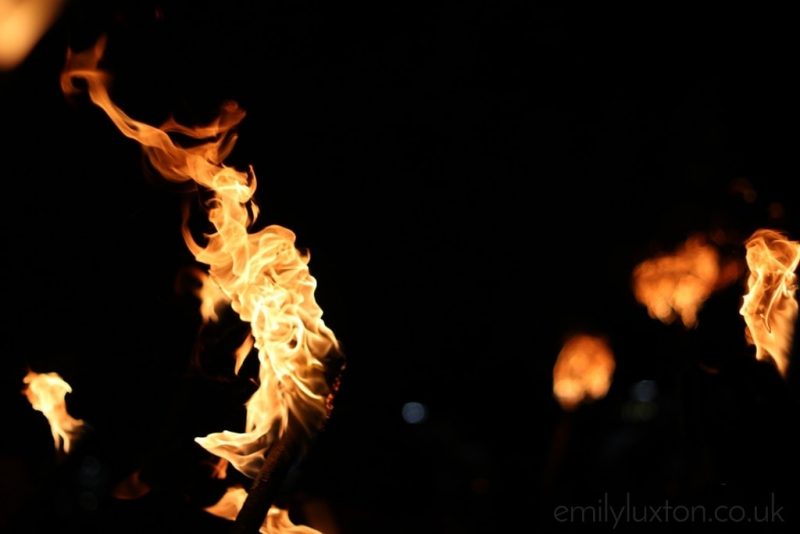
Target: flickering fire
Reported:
point(22, 24)
point(276, 522)
point(769, 308)
point(261, 272)
point(676, 285)
point(582, 371)
point(46, 393)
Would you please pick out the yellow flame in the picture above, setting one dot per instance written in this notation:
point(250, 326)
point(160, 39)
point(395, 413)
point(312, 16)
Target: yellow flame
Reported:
point(769, 308)
point(261, 272)
point(22, 23)
point(46, 393)
point(676, 285)
point(582, 371)
point(276, 522)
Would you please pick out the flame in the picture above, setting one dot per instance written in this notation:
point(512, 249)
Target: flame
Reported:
point(220, 469)
point(22, 23)
point(276, 522)
point(46, 393)
point(582, 371)
point(769, 308)
point(261, 272)
point(676, 285)
point(210, 295)
point(242, 352)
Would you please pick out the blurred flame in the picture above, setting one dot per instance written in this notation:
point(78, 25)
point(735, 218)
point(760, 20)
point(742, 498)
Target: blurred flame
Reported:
point(22, 23)
point(262, 273)
point(745, 189)
point(582, 371)
point(676, 285)
point(769, 308)
point(276, 522)
point(132, 488)
point(46, 393)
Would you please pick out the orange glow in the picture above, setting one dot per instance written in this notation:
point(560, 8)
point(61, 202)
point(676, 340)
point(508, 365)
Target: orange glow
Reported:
point(676, 285)
point(769, 308)
point(22, 24)
point(261, 272)
point(46, 393)
point(582, 371)
point(276, 522)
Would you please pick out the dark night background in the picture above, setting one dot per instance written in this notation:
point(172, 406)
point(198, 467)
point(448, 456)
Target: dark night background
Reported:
point(475, 182)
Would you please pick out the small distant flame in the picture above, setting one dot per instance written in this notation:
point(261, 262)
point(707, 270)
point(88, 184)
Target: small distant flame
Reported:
point(277, 521)
point(46, 393)
point(769, 308)
point(262, 273)
point(22, 24)
point(676, 285)
point(582, 371)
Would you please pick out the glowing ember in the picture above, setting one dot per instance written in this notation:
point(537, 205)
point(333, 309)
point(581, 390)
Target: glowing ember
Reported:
point(277, 521)
point(676, 285)
point(22, 23)
point(46, 393)
point(582, 371)
point(769, 308)
point(260, 271)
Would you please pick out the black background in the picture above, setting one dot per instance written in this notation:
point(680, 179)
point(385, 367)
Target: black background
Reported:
point(475, 182)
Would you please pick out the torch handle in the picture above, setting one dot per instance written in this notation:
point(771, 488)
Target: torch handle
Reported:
point(277, 463)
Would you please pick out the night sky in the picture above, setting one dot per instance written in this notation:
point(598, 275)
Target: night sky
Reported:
point(475, 182)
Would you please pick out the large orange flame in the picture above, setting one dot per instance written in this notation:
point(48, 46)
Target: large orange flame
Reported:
point(769, 308)
point(582, 371)
point(276, 522)
point(676, 285)
point(46, 393)
point(261, 272)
